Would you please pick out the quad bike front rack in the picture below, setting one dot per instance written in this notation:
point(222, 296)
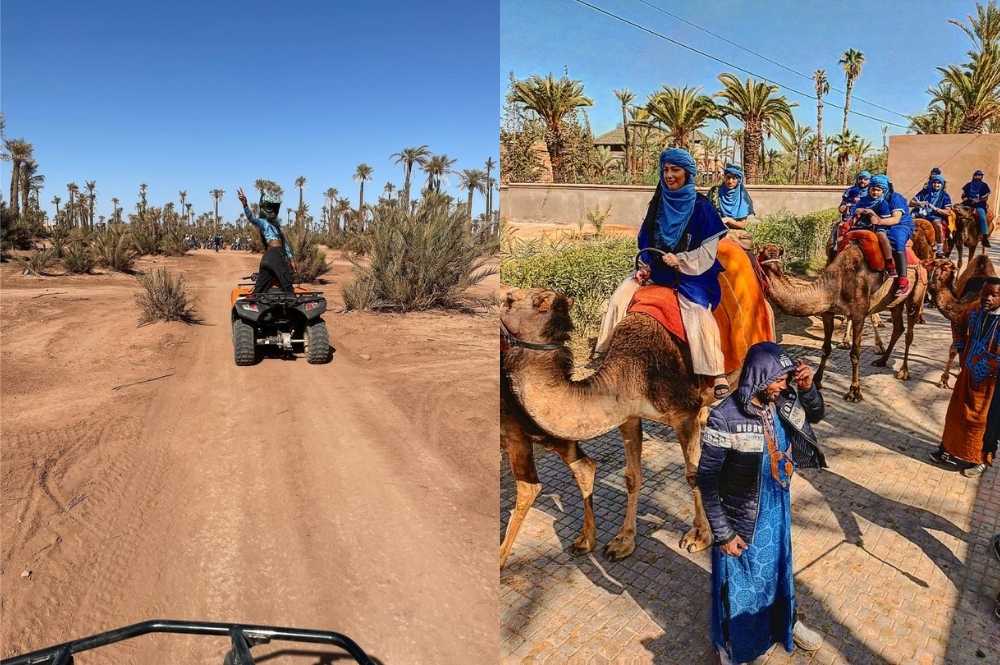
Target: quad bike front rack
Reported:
point(242, 637)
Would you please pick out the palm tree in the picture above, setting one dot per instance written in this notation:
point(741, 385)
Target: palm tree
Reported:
point(822, 88)
point(860, 148)
point(625, 97)
point(91, 196)
point(216, 196)
point(793, 138)
point(331, 195)
point(973, 91)
point(843, 146)
point(183, 194)
point(56, 201)
point(489, 189)
point(472, 180)
point(300, 182)
point(436, 167)
point(408, 157)
point(190, 212)
point(142, 197)
point(115, 209)
point(851, 62)
point(29, 178)
point(552, 100)
point(757, 105)
point(362, 173)
point(18, 152)
point(73, 188)
point(681, 112)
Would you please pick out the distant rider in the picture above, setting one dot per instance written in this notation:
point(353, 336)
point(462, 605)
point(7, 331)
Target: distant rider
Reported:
point(276, 264)
point(974, 194)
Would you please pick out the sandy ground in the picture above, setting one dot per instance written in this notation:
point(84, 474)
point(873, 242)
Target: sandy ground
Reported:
point(358, 496)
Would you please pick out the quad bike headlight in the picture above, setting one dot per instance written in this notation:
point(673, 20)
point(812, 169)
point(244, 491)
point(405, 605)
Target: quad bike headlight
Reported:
point(250, 306)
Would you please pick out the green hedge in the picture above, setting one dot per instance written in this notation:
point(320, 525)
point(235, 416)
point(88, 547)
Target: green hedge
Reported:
point(804, 237)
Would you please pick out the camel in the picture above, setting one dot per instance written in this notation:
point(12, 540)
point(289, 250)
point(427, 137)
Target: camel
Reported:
point(847, 286)
point(645, 374)
point(952, 301)
point(967, 230)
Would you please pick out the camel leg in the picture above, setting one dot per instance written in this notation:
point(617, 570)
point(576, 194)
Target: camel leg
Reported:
point(827, 346)
point(946, 375)
point(623, 544)
point(845, 342)
point(854, 393)
point(897, 330)
point(584, 471)
point(522, 464)
point(699, 536)
point(912, 317)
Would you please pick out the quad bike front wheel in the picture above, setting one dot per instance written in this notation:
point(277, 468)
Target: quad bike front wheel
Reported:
point(317, 344)
point(244, 343)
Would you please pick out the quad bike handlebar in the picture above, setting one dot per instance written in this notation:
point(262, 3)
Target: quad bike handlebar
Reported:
point(242, 637)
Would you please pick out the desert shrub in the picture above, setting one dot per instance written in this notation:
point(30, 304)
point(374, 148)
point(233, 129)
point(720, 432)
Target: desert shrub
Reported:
point(78, 257)
point(804, 237)
point(38, 262)
point(172, 241)
point(113, 248)
point(310, 261)
point(417, 260)
point(587, 270)
point(164, 298)
point(145, 237)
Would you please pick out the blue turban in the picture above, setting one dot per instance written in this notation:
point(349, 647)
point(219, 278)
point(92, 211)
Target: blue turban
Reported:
point(978, 172)
point(937, 178)
point(734, 202)
point(676, 206)
point(863, 174)
point(881, 181)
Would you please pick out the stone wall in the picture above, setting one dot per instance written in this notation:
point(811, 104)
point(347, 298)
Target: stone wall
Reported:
point(548, 203)
point(958, 155)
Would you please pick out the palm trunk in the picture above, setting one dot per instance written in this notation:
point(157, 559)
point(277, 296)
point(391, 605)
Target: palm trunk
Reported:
point(821, 164)
point(361, 206)
point(798, 160)
point(216, 212)
point(25, 191)
point(469, 204)
point(406, 182)
point(847, 101)
point(15, 183)
point(628, 171)
point(554, 144)
point(752, 143)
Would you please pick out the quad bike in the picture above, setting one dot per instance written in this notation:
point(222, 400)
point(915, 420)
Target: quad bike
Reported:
point(242, 637)
point(288, 322)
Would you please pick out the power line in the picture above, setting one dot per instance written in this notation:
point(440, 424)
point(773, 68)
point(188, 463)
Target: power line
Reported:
point(764, 57)
point(727, 64)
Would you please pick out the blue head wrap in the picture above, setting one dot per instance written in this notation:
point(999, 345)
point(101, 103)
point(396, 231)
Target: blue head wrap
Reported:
point(937, 178)
point(863, 174)
point(978, 172)
point(676, 206)
point(881, 181)
point(734, 202)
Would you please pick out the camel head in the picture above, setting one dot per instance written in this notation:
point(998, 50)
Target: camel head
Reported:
point(536, 315)
point(941, 273)
point(770, 258)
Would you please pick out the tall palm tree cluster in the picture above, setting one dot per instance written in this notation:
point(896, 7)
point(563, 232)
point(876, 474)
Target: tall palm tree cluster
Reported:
point(545, 110)
point(967, 98)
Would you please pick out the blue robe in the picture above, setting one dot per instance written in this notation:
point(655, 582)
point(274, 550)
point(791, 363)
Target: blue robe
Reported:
point(704, 225)
point(939, 199)
point(901, 232)
point(753, 595)
point(974, 189)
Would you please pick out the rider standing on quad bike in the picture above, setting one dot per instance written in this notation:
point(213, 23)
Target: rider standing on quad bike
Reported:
point(276, 264)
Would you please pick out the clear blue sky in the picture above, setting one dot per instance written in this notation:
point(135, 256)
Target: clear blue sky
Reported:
point(903, 43)
point(199, 95)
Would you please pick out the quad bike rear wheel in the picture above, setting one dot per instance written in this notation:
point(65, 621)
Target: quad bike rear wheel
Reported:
point(244, 344)
point(317, 346)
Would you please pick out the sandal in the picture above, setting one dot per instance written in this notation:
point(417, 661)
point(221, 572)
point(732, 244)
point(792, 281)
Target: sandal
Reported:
point(721, 391)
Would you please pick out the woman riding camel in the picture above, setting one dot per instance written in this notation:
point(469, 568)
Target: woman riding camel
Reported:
point(974, 194)
point(733, 203)
point(890, 218)
point(932, 203)
point(848, 203)
point(684, 225)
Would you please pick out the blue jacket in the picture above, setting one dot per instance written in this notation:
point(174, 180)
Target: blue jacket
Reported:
point(733, 445)
point(268, 231)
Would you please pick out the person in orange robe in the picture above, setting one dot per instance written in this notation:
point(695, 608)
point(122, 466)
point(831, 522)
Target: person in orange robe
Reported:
point(969, 412)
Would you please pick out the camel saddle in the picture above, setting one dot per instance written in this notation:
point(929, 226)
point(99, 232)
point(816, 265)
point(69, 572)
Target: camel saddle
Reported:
point(744, 315)
point(867, 241)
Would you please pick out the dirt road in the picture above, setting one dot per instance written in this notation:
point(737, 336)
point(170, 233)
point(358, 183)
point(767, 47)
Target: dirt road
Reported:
point(357, 496)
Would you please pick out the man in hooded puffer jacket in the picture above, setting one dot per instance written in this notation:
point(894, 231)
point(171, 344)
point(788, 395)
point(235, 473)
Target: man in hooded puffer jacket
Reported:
point(751, 445)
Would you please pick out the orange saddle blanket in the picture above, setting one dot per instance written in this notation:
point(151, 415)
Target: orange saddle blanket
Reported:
point(744, 315)
point(868, 242)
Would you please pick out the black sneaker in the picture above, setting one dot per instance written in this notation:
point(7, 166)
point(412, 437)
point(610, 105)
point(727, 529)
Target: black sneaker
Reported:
point(941, 457)
point(986, 242)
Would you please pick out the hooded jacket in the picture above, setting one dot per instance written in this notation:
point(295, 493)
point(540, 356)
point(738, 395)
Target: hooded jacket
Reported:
point(733, 445)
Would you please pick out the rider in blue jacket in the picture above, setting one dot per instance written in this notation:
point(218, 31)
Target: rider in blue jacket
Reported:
point(277, 264)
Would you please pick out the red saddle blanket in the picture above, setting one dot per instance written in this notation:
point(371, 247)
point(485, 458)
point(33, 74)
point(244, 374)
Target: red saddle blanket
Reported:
point(744, 315)
point(868, 242)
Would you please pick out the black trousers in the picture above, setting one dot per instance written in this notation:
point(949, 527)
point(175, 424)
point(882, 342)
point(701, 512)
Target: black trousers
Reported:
point(274, 268)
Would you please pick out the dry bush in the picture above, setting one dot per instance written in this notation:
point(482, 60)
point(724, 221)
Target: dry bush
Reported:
point(113, 248)
point(310, 261)
point(38, 262)
point(164, 298)
point(78, 257)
